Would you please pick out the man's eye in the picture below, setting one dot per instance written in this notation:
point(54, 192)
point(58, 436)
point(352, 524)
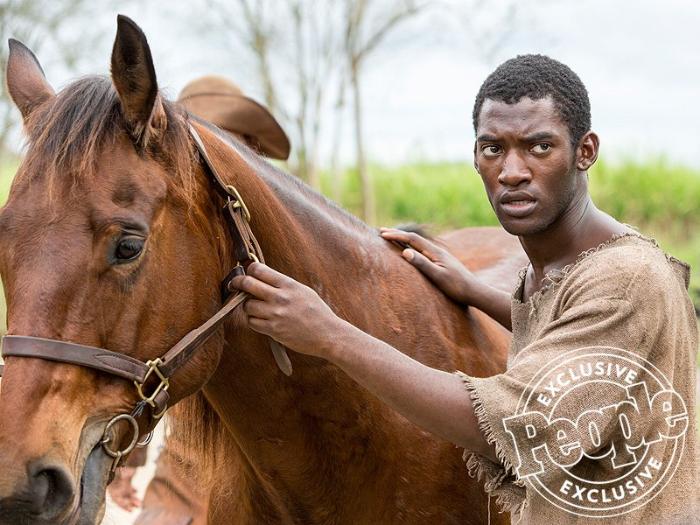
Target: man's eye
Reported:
point(128, 249)
point(492, 150)
point(540, 148)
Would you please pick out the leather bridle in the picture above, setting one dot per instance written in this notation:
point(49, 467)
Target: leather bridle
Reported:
point(152, 378)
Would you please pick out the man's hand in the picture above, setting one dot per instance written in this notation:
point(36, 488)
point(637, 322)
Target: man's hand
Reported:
point(122, 491)
point(438, 265)
point(291, 313)
point(450, 275)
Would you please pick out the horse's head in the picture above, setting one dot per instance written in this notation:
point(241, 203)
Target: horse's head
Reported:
point(103, 242)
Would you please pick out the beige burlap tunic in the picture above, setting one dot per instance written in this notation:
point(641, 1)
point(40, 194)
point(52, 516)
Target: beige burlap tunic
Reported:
point(625, 294)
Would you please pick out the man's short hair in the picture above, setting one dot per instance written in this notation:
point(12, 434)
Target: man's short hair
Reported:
point(536, 77)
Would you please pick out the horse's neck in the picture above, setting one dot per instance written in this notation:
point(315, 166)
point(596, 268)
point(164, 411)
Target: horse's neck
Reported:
point(275, 420)
point(301, 233)
point(357, 273)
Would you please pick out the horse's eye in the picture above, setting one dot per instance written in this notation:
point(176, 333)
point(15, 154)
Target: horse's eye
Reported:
point(128, 249)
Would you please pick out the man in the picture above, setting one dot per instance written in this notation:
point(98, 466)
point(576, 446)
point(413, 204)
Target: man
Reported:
point(594, 287)
point(171, 498)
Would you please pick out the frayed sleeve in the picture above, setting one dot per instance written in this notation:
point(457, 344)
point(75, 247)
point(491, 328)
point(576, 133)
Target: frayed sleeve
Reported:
point(500, 480)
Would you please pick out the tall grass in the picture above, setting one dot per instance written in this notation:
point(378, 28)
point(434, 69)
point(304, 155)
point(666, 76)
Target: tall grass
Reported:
point(655, 193)
point(448, 195)
point(7, 172)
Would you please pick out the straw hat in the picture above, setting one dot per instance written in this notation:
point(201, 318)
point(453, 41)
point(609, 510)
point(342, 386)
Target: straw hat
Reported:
point(221, 102)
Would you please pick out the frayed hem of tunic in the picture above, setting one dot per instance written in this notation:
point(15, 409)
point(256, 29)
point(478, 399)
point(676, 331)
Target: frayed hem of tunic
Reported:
point(510, 497)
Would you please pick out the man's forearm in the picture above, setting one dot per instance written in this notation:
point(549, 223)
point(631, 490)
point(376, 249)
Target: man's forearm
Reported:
point(493, 302)
point(432, 399)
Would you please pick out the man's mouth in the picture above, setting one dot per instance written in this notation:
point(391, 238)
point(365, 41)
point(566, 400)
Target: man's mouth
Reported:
point(517, 204)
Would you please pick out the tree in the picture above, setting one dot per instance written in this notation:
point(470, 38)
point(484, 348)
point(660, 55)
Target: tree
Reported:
point(321, 49)
point(493, 25)
point(367, 24)
point(294, 49)
point(40, 24)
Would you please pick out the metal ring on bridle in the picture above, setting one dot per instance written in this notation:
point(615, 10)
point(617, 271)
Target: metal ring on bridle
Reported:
point(106, 439)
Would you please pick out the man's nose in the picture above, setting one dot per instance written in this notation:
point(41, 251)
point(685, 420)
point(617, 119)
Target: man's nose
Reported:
point(514, 171)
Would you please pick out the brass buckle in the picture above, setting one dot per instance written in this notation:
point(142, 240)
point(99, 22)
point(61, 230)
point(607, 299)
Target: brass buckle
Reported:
point(238, 202)
point(164, 383)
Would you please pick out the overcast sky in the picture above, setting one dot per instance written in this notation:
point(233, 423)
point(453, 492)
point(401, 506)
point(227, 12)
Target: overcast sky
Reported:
point(639, 59)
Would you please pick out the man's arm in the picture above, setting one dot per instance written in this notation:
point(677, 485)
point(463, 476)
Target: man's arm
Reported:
point(432, 399)
point(295, 316)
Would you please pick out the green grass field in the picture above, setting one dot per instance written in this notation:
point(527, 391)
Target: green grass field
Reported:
point(658, 197)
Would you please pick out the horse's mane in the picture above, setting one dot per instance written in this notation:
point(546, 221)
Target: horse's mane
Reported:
point(281, 181)
point(66, 135)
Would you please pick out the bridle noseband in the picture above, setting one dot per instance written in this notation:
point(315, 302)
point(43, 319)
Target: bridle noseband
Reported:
point(152, 378)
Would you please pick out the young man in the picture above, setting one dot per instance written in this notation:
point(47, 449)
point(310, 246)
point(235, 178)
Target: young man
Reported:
point(585, 421)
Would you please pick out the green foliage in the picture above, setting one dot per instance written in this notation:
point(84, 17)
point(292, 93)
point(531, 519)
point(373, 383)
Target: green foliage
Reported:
point(448, 195)
point(650, 193)
point(7, 171)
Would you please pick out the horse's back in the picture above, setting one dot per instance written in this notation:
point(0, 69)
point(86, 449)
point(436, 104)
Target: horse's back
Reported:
point(490, 252)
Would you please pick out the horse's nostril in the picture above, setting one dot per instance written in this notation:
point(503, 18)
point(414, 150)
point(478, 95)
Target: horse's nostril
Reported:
point(51, 490)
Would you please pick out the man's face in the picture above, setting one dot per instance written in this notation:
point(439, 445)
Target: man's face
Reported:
point(524, 155)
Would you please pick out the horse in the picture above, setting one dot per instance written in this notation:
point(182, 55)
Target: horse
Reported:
point(492, 254)
point(113, 237)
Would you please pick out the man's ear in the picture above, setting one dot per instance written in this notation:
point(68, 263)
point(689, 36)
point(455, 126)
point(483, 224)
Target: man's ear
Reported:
point(134, 78)
point(587, 151)
point(26, 82)
point(476, 164)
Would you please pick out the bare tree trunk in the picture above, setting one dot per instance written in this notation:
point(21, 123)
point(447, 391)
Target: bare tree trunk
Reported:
point(314, 175)
point(335, 170)
point(303, 89)
point(368, 207)
point(39, 24)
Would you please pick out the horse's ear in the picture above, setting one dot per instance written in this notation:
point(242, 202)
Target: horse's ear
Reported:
point(134, 78)
point(26, 82)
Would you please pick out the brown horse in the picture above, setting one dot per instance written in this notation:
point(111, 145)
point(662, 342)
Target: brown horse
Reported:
point(490, 252)
point(113, 237)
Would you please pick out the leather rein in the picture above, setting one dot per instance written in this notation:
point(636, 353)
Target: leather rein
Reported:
point(158, 372)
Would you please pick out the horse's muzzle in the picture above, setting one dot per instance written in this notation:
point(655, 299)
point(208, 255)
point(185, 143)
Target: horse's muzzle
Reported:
point(50, 496)
point(46, 496)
